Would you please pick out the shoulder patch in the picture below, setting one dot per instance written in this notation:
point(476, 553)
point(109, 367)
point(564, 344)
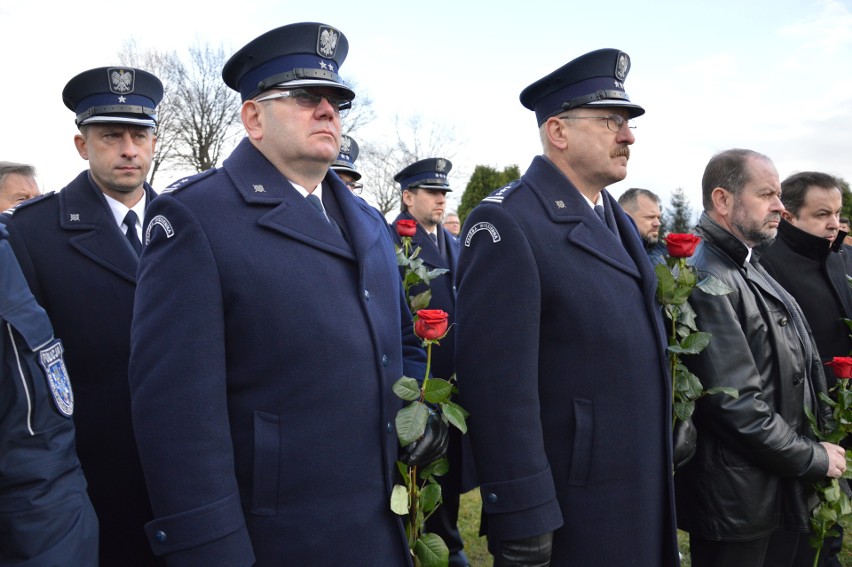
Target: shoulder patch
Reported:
point(184, 182)
point(480, 226)
point(503, 192)
point(29, 202)
point(51, 360)
point(162, 222)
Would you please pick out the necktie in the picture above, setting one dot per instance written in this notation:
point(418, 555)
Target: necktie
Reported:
point(132, 236)
point(315, 201)
point(600, 211)
point(434, 238)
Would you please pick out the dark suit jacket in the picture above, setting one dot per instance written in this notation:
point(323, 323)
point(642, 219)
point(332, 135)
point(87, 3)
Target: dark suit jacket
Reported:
point(265, 346)
point(82, 270)
point(561, 363)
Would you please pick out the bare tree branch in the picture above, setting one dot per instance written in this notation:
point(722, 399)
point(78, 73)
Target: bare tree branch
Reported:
point(380, 162)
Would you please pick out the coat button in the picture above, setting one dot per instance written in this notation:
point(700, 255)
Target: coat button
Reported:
point(390, 427)
point(492, 497)
point(782, 321)
point(160, 536)
point(384, 360)
point(367, 294)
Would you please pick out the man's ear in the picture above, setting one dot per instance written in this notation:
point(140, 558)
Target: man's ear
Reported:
point(557, 132)
point(723, 201)
point(252, 119)
point(82, 146)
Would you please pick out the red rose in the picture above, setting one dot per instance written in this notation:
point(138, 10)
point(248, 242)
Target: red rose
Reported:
point(842, 366)
point(682, 245)
point(431, 323)
point(406, 227)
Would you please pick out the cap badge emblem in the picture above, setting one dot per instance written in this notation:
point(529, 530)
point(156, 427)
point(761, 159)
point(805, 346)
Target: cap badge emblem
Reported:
point(622, 66)
point(440, 165)
point(327, 41)
point(121, 80)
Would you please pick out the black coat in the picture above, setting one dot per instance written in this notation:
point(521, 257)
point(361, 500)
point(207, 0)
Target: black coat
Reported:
point(812, 272)
point(756, 453)
point(46, 517)
point(82, 270)
point(560, 356)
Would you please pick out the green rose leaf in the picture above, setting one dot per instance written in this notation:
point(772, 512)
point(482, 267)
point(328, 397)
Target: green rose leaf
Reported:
point(399, 500)
point(407, 388)
point(456, 415)
point(430, 497)
point(733, 392)
point(431, 551)
point(683, 410)
point(665, 284)
point(411, 422)
point(437, 390)
point(435, 468)
point(420, 301)
point(713, 286)
point(692, 344)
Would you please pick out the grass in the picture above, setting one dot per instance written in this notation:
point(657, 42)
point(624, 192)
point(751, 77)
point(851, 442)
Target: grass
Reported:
point(476, 547)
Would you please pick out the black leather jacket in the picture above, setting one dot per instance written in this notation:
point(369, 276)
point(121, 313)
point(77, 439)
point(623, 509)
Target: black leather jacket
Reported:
point(756, 453)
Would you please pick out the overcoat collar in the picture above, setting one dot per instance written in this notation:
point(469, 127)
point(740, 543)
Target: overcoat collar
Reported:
point(260, 183)
point(83, 209)
point(564, 204)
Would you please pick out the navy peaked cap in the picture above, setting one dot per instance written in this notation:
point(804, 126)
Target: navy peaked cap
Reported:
point(306, 54)
point(345, 162)
point(593, 79)
point(430, 173)
point(114, 95)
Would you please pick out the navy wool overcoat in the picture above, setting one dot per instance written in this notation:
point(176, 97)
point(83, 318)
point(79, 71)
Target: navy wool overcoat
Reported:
point(265, 345)
point(561, 364)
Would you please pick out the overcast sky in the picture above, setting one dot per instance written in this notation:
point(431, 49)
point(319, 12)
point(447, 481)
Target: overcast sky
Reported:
point(768, 75)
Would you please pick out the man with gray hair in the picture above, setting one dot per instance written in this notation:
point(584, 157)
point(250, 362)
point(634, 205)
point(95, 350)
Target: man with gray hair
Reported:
point(643, 206)
point(743, 498)
point(17, 184)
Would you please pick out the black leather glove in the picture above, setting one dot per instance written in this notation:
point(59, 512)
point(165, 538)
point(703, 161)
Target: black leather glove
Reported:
point(528, 552)
point(685, 438)
point(431, 447)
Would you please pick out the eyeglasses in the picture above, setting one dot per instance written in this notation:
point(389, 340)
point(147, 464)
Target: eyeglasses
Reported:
point(354, 186)
point(614, 122)
point(308, 99)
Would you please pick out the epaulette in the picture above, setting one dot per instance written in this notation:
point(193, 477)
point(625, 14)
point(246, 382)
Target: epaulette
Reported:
point(24, 204)
point(184, 182)
point(498, 195)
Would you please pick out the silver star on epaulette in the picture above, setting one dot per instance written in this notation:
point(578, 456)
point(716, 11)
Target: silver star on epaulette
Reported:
point(75, 217)
point(560, 204)
point(259, 189)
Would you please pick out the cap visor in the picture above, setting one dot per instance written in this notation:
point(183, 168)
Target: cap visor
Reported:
point(317, 83)
point(150, 123)
point(633, 109)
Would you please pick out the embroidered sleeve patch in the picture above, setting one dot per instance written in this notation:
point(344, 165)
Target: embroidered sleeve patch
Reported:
point(51, 360)
point(492, 230)
point(162, 221)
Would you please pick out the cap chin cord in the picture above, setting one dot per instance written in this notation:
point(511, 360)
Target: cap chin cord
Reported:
point(593, 97)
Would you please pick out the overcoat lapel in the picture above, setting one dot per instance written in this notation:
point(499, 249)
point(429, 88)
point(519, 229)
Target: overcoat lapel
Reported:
point(83, 210)
point(259, 183)
point(583, 228)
